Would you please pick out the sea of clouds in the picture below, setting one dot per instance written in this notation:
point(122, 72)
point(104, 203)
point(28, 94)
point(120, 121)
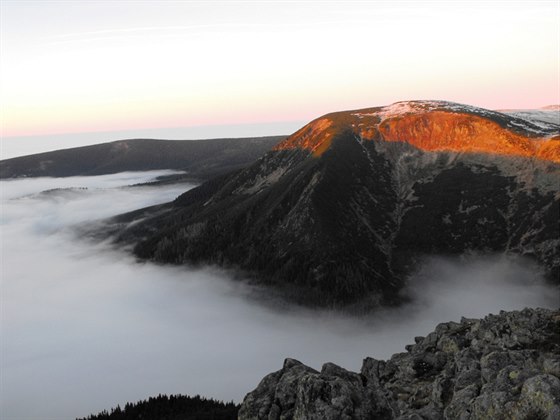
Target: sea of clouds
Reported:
point(85, 327)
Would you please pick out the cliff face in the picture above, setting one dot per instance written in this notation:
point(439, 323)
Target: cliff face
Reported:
point(346, 207)
point(504, 366)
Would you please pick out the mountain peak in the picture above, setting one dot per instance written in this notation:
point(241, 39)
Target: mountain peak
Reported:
point(434, 126)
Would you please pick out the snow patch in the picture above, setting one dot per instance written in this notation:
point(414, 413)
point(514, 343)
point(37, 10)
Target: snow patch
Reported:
point(542, 118)
point(544, 123)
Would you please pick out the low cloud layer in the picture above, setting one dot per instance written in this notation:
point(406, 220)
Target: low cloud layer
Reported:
point(85, 327)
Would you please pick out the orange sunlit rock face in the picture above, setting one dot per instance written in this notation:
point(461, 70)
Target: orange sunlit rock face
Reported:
point(315, 137)
point(430, 130)
point(456, 132)
point(549, 149)
point(318, 134)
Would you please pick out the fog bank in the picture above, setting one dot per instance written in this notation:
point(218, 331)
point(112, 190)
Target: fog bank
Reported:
point(84, 327)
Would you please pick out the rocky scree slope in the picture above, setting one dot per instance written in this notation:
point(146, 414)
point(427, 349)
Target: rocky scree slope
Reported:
point(504, 366)
point(348, 205)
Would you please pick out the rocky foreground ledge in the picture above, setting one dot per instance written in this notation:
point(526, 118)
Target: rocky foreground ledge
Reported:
point(504, 366)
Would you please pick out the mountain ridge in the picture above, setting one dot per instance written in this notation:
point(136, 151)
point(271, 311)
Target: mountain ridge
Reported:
point(201, 159)
point(435, 126)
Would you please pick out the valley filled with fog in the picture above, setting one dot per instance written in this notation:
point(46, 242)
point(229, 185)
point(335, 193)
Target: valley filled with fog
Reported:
point(85, 326)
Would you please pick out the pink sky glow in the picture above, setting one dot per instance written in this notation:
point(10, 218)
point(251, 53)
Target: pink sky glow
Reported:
point(97, 67)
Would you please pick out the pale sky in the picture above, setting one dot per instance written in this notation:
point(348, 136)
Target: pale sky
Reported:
point(83, 66)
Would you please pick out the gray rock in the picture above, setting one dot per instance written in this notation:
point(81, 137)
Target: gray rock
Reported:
point(540, 398)
point(467, 377)
point(552, 366)
point(461, 403)
point(504, 366)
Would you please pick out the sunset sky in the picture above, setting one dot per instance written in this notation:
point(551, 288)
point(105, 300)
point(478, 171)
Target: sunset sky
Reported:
point(83, 66)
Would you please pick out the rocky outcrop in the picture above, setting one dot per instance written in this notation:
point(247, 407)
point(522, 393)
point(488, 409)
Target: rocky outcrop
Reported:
point(504, 366)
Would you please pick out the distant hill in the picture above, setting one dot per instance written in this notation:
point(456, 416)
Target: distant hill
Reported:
point(544, 116)
point(201, 159)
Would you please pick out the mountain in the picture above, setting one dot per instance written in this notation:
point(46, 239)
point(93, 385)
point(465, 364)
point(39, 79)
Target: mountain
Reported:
point(344, 209)
point(201, 159)
point(502, 367)
point(551, 108)
point(547, 114)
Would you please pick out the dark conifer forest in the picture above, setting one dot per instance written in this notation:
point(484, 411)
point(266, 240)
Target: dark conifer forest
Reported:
point(173, 407)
